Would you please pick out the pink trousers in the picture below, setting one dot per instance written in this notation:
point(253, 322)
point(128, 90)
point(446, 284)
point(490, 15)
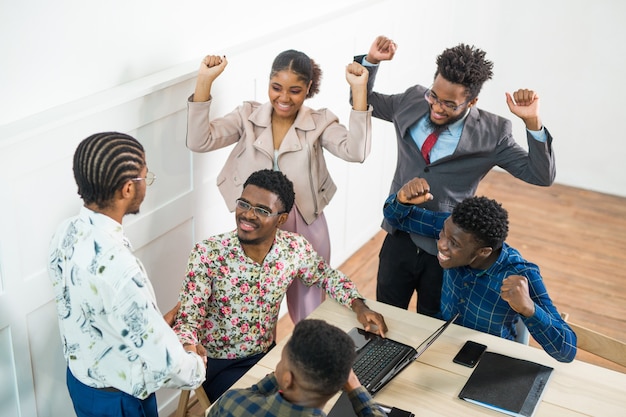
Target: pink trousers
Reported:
point(302, 300)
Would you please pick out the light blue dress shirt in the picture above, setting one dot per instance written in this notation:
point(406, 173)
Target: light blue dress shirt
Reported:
point(448, 138)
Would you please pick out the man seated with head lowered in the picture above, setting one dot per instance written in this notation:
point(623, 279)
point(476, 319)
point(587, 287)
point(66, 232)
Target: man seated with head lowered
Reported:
point(314, 365)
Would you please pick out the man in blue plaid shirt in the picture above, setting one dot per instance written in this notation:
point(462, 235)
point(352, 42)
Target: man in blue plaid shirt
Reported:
point(315, 364)
point(486, 281)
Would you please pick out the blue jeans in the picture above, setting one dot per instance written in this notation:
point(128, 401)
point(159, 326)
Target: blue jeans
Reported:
point(93, 402)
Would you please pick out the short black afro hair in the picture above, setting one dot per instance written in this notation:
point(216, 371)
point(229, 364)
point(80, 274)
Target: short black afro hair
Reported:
point(275, 182)
point(484, 218)
point(323, 353)
point(465, 65)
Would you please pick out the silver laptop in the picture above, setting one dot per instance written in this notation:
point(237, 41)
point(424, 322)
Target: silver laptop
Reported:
point(380, 359)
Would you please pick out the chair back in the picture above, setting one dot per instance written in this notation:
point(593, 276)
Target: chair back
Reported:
point(186, 407)
point(523, 335)
point(599, 344)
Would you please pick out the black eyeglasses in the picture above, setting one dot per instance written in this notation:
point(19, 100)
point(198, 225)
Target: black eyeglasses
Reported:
point(452, 106)
point(259, 211)
point(149, 178)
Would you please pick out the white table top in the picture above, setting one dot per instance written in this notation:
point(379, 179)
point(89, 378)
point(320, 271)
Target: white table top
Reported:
point(430, 386)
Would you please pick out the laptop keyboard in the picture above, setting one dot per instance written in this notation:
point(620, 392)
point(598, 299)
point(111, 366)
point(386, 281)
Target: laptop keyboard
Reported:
point(376, 359)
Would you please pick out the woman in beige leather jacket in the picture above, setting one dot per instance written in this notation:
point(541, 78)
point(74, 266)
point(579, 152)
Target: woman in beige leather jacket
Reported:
point(284, 135)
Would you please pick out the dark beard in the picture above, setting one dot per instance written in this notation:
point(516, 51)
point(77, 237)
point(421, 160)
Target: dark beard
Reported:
point(432, 126)
point(245, 241)
point(133, 209)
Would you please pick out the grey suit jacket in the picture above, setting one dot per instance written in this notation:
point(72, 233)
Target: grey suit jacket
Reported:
point(486, 141)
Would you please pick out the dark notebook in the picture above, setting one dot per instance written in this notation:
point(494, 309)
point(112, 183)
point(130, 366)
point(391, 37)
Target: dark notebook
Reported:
point(509, 385)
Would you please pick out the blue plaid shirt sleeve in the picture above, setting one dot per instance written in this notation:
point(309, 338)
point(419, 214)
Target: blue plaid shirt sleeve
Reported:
point(413, 219)
point(546, 325)
point(363, 403)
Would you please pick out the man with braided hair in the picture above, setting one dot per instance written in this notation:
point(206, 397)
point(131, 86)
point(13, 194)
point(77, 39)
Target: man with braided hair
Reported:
point(444, 138)
point(485, 280)
point(118, 347)
point(314, 365)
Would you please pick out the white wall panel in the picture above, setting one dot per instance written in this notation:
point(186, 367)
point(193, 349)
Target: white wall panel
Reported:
point(47, 361)
point(165, 263)
point(9, 399)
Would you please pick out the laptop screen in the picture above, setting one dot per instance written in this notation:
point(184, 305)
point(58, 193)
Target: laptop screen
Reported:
point(430, 339)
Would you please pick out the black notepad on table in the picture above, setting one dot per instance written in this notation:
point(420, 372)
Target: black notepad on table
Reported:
point(509, 385)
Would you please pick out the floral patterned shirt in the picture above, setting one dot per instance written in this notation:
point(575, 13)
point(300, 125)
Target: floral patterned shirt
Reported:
point(230, 303)
point(112, 331)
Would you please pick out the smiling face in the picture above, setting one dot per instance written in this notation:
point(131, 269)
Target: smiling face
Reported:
point(287, 92)
point(453, 94)
point(457, 248)
point(253, 229)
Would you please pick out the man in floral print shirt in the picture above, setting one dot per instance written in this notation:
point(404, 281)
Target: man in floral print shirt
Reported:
point(235, 283)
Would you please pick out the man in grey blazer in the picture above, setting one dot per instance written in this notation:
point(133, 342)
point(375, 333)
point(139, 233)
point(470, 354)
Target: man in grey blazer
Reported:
point(469, 143)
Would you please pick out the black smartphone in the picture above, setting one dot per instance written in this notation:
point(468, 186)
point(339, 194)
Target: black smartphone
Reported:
point(469, 354)
point(393, 411)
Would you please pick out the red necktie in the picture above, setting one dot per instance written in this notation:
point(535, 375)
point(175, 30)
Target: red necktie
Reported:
point(429, 143)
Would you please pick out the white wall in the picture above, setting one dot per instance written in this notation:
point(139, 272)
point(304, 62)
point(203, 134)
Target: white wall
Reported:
point(570, 51)
point(71, 68)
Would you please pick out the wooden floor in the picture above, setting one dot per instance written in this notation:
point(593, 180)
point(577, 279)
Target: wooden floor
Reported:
point(577, 237)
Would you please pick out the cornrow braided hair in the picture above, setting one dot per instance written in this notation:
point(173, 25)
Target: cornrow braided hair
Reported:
point(275, 182)
point(465, 65)
point(300, 64)
point(485, 219)
point(103, 162)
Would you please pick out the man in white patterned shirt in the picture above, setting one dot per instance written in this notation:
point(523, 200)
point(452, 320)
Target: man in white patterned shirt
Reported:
point(119, 348)
point(235, 283)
